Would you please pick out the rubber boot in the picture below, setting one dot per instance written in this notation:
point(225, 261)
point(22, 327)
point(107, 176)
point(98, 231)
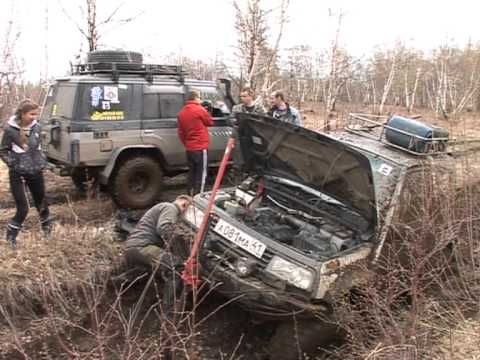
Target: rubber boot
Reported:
point(12, 236)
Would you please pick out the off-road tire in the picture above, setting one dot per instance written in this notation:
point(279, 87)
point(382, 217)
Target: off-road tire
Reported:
point(304, 335)
point(137, 182)
point(117, 56)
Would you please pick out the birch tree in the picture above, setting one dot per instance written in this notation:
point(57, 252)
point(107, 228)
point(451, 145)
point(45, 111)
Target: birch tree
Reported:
point(91, 27)
point(257, 55)
point(10, 69)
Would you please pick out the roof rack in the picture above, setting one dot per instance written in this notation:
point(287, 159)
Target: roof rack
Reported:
point(378, 127)
point(118, 68)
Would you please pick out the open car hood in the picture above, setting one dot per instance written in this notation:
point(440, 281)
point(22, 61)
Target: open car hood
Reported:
point(271, 147)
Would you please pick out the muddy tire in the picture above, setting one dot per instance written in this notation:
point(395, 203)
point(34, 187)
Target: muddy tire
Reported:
point(137, 183)
point(291, 341)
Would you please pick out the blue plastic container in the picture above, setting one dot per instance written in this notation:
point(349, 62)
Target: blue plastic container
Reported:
point(413, 127)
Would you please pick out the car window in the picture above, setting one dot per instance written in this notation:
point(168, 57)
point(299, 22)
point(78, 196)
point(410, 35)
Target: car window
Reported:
point(108, 102)
point(161, 106)
point(151, 106)
point(60, 101)
point(47, 108)
point(170, 105)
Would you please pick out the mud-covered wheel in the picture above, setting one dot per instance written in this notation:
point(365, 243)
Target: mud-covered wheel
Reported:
point(137, 183)
point(292, 340)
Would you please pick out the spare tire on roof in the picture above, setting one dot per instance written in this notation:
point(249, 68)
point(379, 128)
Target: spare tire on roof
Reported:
point(118, 56)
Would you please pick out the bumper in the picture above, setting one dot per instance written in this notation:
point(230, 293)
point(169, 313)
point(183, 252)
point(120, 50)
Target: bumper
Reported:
point(256, 295)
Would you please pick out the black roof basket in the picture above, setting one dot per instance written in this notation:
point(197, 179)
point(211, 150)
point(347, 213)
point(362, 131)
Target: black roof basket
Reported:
point(118, 68)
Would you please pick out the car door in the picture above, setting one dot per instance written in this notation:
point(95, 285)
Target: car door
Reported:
point(221, 130)
point(161, 105)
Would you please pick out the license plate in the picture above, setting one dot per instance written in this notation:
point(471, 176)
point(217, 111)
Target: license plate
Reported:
point(239, 238)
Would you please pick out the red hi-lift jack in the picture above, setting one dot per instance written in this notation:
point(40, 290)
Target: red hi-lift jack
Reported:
point(190, 272)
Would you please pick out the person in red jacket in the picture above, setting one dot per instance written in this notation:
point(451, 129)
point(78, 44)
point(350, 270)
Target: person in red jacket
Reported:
point(193, 122)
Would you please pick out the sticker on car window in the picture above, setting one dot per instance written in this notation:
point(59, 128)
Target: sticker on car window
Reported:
point(111, 94)
point(96, 95)
point(385, 169)
point(106, 105)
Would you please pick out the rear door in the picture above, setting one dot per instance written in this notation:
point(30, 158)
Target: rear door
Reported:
point(56, 118)
point(108, 117)
point(161, 104)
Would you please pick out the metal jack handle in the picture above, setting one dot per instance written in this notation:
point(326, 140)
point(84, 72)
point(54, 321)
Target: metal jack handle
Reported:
point(190, 272)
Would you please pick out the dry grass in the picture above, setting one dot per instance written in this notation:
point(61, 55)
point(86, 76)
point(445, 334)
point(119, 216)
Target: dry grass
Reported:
point(55, 303)
point(461, 342)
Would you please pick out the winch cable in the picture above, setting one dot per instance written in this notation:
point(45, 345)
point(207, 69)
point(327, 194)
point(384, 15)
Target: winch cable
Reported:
point(190, 272)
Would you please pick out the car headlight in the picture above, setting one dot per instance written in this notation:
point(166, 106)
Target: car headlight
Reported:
point(293, 274)
point(194, 215)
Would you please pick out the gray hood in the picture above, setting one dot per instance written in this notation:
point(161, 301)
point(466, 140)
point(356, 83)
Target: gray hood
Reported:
point(271, 147)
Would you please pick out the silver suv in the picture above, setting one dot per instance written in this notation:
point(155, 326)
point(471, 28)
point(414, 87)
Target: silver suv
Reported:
point(114, 119)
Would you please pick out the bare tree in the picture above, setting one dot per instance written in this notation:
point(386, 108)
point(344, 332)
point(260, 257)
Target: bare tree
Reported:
point(257, 57)
point(388, 83)
point(273, 54)
point(251, 27)
point(95, 29)
point(10, 71)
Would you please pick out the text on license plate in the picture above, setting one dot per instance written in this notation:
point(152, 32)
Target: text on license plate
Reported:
point(240, 238)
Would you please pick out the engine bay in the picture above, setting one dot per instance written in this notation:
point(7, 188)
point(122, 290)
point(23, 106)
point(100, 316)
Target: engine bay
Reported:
point(317, 225)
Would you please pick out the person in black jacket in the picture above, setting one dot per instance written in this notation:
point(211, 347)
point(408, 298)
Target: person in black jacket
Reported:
point(20, 149)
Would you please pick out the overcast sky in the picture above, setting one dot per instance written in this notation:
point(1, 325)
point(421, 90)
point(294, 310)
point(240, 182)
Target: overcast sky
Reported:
point(203, 29)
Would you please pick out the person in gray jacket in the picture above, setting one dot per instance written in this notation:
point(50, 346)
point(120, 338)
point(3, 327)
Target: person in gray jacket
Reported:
point(248, 103)
point(282, 110)
point(21, 150)
point(153, 241)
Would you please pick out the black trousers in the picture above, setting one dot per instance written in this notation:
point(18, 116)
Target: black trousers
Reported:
point(197, 164)
point(36, 185)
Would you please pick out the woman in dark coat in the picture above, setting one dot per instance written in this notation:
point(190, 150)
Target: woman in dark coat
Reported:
point(21, 150)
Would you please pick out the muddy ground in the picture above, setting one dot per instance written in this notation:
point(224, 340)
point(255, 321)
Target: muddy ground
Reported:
point(44, 280)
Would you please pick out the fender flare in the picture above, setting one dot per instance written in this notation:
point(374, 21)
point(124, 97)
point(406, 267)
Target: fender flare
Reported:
point(107, 171)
